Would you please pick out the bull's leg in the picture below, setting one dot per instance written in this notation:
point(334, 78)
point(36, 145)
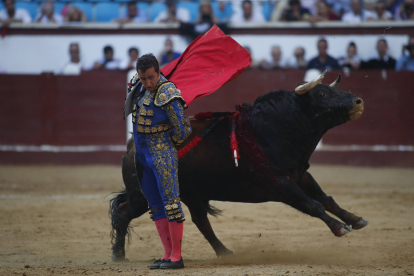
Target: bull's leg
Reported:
point(312, 189)
point(289, 193)
point(123, 211)
point(126, 206)
point(198, 209)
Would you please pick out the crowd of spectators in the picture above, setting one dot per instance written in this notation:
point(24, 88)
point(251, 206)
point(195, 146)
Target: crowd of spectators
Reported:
point(323, 61)
point(216, 11)
point(75, 65)
point(350, 61)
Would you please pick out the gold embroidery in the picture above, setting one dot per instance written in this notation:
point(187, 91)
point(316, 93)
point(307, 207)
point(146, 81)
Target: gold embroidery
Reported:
point(153, 129)
point(170, 92)
point(141, 120)
point(147, 101)
point(146, 112)
point(148, 122)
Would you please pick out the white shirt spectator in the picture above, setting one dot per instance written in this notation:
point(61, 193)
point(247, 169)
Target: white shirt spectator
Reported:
point(182, 14)
point(385, 16)
point(72, 68)
point(256, 17)
point(57, 17)
point(111, 65)
point(19, 14)
point(353, 18)
point(310, 5)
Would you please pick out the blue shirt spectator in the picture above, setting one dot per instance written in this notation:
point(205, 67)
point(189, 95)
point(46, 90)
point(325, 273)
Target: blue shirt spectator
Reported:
point(323, 61)
point(167, 55)
point(406, 62)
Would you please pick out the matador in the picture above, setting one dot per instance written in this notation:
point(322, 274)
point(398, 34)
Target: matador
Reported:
point(160, 126)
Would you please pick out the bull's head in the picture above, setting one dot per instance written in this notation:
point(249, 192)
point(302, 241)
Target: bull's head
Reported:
point(330, 100)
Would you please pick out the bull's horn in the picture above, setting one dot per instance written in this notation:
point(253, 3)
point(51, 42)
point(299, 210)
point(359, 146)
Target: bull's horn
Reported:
point(336, 82)
point(306, 87)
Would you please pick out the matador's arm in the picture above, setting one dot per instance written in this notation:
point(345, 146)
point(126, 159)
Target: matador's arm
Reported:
point(181, 125)
point(170, 100)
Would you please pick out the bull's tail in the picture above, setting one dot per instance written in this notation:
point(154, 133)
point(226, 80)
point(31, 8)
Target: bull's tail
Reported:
point(213, 211)
point(119, 222)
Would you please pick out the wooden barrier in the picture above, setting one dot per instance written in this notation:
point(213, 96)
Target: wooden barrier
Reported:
point(87, 110)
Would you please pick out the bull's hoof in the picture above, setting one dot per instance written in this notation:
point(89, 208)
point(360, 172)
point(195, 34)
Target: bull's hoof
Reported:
point(224, 252)
point(117, 259)
point(118, 256)
point(343, 230)
point(360, 224)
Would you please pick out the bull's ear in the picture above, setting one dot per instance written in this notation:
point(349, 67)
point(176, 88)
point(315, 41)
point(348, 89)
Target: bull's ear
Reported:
point(336, 82)
point(306, 87)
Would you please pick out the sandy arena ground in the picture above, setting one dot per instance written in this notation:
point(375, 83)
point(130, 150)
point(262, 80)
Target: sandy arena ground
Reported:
point(54, 222)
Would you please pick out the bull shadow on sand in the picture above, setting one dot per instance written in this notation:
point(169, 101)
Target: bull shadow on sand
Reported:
point(255, 256)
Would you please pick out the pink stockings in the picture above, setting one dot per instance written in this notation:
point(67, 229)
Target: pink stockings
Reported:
point(171, 235)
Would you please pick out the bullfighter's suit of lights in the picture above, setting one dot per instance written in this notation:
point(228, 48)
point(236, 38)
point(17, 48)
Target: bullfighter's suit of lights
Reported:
point(159, 127)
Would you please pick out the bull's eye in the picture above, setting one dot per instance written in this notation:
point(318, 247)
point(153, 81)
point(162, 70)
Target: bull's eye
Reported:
point(322, 95)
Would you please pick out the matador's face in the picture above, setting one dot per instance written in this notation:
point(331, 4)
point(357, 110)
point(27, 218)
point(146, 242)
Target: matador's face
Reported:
point(149, 78)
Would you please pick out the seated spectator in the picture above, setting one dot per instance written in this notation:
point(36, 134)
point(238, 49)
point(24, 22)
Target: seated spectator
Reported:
point(352, 60)
point(167, 55)
point(383, 61)
point(354, 16)
point(247, 14)
point(323, 13)
point(405, 11)
point(73, 14)
point(48, 15)
point(392, 5)
point(295, 12)
point(74, 66)
point(310, 5)
point(206, 14)
point(173, 14)
point(276, 62)
point(323, 61)
point(254, 64)
point(224, 11)
point(381, 10)
point(405, 51)
point(299, 61)
point(406, 62)
point(340, 7)
point(133, 15)
point(107, 61)
point(133, 55)
point(11, 14)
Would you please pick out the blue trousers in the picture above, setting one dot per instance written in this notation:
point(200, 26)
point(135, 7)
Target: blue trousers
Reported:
point(157, 167)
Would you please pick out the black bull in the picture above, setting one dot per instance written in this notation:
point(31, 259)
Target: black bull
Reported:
point(277, 136)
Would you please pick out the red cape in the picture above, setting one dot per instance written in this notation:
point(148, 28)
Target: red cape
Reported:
point(212, 60)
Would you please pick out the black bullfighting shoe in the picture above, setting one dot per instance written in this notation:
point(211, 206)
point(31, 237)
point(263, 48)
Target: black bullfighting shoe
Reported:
point(172, 265)
point(157, 264)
